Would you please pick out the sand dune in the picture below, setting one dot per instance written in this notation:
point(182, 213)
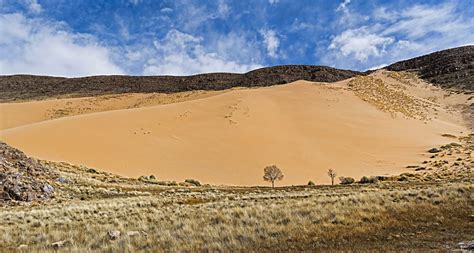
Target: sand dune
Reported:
point(304, 128)
point(24, 113)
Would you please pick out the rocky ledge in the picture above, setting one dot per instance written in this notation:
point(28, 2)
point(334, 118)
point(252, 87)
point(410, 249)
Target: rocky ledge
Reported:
point(23, 178)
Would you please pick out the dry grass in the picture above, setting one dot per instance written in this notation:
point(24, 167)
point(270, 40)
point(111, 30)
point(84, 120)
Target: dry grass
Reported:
point(407, 78)
point(422, 212)
point(103, 103)
point(232, 220)
point(388, 98)
point(385, 216)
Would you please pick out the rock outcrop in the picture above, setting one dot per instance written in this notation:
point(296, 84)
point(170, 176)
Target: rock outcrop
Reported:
point(23, 178)
point(452, 68)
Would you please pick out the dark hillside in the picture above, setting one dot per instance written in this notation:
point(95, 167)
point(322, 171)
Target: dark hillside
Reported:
point(452, 68)
point(19, 87)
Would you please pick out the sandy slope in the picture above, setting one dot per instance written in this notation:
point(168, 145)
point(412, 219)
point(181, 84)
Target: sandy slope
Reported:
point(24, 113)
point(304, 128)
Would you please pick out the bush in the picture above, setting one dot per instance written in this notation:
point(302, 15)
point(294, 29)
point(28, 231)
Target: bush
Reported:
point(193, 182)
point(311, 183)
point(147, 178)
point(367, 180)
point(346, 180)
point(91, 170)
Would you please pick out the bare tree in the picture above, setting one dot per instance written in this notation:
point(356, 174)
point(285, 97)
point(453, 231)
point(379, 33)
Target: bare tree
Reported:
point(272, 173)
point(332, 174)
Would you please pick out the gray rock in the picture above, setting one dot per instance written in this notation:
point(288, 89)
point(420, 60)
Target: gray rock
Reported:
point(133, 233)
point(59, 244)
point(114, 234)
point(22, 247)
point(467, 245)
point(434, 150)
point(48, 189)
point(62, 180)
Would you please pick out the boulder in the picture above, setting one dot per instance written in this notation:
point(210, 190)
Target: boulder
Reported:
point(23, 178)
point(59, 244)
point(114, 234)
point(133, 233)
point(467, 245)
point(434, 150)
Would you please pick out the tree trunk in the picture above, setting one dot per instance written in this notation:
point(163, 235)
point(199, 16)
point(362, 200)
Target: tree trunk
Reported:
point(332, 181)
point(273, 184)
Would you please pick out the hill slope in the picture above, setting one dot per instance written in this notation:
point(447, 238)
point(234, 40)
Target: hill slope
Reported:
point(451, 68)
point(39, 87)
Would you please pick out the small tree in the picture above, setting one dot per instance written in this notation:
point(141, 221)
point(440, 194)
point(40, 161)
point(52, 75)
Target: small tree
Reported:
point(332, 174)
point(272, 173)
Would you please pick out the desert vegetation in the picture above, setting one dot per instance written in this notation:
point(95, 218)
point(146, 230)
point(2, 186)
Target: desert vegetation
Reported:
point(388, 98)
point(92, 210)
point(271, 174)
point(332, 174)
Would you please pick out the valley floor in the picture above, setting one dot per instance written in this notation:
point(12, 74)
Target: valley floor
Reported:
point(386, 217)
point(430, 209)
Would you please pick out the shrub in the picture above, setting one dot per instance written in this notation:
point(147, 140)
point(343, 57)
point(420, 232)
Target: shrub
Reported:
point(193, 182)
point(367, 180)
point(346, 180)
point(311, 183)
point(382, 178)
point(147, 178)
point(91, 170)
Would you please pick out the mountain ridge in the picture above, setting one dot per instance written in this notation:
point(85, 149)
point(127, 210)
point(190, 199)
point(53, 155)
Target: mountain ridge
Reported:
point(18, 87)
point(449, 69)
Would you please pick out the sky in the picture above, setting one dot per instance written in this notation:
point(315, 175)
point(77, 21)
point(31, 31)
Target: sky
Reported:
point(178, 37)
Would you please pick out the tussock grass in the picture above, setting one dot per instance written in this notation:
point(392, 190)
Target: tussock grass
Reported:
point(387, 98)
point(304, 218)
point(429, 209)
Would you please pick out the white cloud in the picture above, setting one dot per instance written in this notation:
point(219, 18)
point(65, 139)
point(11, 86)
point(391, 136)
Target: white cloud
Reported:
point(183, 54)
point(347, 17)
point(273, 1)
point(420, 20)
point(384, 14)
point(166, 10)
point(360, 43)
point(33, 6)
point(343, 5)
point(135, 2)
point(378, 66)
point(223, 9)
point(397, 35)
point(34, 46)
point(271, 41)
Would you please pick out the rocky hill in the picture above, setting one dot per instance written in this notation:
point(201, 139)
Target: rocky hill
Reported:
point(452, 68)
point(18, 87)
point(23, 178)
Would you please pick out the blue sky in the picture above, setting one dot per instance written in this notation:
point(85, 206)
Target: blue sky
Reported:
point(145, 37)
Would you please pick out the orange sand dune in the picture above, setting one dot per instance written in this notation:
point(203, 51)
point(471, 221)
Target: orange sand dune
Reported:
point(303, 128)
point(23, 113)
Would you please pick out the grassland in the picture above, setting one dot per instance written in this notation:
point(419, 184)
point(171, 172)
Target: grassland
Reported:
point(98, 211)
